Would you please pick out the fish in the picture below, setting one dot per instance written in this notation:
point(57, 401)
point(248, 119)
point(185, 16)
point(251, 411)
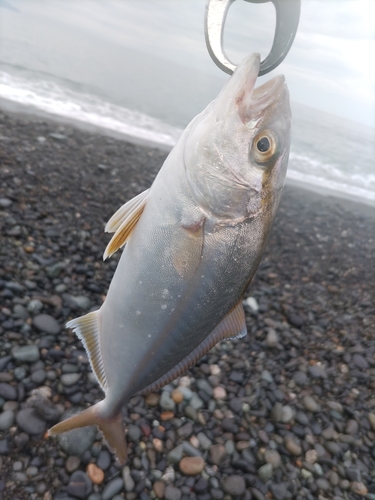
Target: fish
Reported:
point(192, 243)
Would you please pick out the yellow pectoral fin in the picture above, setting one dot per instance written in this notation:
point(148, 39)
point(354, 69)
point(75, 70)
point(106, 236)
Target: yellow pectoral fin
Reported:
point(123, 222)
point(125, 211)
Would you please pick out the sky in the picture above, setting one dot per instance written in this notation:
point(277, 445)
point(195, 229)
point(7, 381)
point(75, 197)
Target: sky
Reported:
point(330, 65)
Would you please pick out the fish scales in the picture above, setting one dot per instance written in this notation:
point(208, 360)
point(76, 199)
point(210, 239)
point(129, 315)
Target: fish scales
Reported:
point(193, 243)
point(202, 299)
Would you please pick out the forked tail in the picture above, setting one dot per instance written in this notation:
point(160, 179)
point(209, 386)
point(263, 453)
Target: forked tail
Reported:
point(111, 428)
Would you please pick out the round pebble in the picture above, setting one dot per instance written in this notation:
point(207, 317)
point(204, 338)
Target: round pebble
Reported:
point(234, 485)
point(310, 404)
point(29, 421)
point(72, 463)
point(191, 466)
point(112, 488)
point(95, 474)
point(292, 445)
point(6, 420)
point(219, 393)
point(47, 324)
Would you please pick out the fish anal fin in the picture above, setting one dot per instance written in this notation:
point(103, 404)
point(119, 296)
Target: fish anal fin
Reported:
point(187, 247)
point(123, 212)
point(111, 427)
point(231, 327)
point(87, 329)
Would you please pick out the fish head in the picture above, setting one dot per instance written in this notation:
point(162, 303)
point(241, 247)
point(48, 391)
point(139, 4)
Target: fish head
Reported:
point(236, 151)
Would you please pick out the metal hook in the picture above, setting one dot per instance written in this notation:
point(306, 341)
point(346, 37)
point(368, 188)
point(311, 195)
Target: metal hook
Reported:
point(287, 18)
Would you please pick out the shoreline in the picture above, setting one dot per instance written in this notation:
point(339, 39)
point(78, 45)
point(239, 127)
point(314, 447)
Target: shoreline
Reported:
point(32, 113)
point(285, 410)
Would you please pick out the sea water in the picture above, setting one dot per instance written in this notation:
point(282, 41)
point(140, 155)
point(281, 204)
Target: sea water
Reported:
point(90, 73)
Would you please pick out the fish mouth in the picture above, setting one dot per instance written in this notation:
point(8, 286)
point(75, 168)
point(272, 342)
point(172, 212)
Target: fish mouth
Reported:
point(264, 100)
point(269, 92)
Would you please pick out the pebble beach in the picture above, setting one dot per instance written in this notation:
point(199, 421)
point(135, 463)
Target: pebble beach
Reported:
point(287, 412)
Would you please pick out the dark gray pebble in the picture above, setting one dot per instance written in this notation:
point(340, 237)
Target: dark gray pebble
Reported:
point(104, 460)
point(39, 376)
point(6, 420)
point(300, 378)
point(8, 391)
point(234, 485)
point(280, 491)
point(30, 422)
point(172, 493)
point(76, 441)
point(80, 485)
point(112, 488)
point(360, 362)
point(47, 324)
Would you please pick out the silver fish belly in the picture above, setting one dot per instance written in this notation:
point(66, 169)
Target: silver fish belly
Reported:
point(193, 243)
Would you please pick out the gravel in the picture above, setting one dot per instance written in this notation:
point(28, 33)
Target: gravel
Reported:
point(287, 412)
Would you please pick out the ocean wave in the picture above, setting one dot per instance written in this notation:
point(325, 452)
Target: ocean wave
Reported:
point(63, 101)
point(50, 97)
point(330, 176)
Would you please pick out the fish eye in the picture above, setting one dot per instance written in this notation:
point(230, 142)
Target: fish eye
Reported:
point(264, 146)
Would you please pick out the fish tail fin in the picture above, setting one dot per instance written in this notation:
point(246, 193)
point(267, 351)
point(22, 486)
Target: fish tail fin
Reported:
point(111, 427)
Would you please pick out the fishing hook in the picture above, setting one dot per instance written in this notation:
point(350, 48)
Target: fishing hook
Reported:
point(287, 18)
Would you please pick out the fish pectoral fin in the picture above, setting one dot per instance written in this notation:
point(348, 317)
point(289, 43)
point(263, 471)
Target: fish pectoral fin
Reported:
point(123, 212)
point(111, 427)
point(87, 330)
point(233, 326)
point(187, 247)
point(123, 222)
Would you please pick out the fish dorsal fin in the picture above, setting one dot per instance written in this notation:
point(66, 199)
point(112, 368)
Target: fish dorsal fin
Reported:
point(87, 330)
point(233, 326)
point(123, 222)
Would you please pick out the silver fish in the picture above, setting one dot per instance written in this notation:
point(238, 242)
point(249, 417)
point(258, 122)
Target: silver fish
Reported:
point(193, 242)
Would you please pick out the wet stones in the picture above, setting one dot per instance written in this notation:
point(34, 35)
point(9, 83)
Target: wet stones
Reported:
point(112, 488)
point(6, 420)
point(76, 441)
point(69, 379)
point(47, 324)
point(79, 485)
point(286, 413)
point(234, 485)
point(95, 474)
point(29, 421)
point(166, 402)
point(217, 453)
point(191, 466)
point(292, 445)
point(311, 404)
point(27, 353)
point(8, 391)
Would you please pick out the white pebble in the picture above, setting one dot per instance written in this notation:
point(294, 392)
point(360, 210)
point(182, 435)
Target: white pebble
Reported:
point(219, 393)
point(215, 369)
point(252, 303)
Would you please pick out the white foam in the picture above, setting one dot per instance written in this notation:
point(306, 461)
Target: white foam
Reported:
point(330, 177)
point(52, 98)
